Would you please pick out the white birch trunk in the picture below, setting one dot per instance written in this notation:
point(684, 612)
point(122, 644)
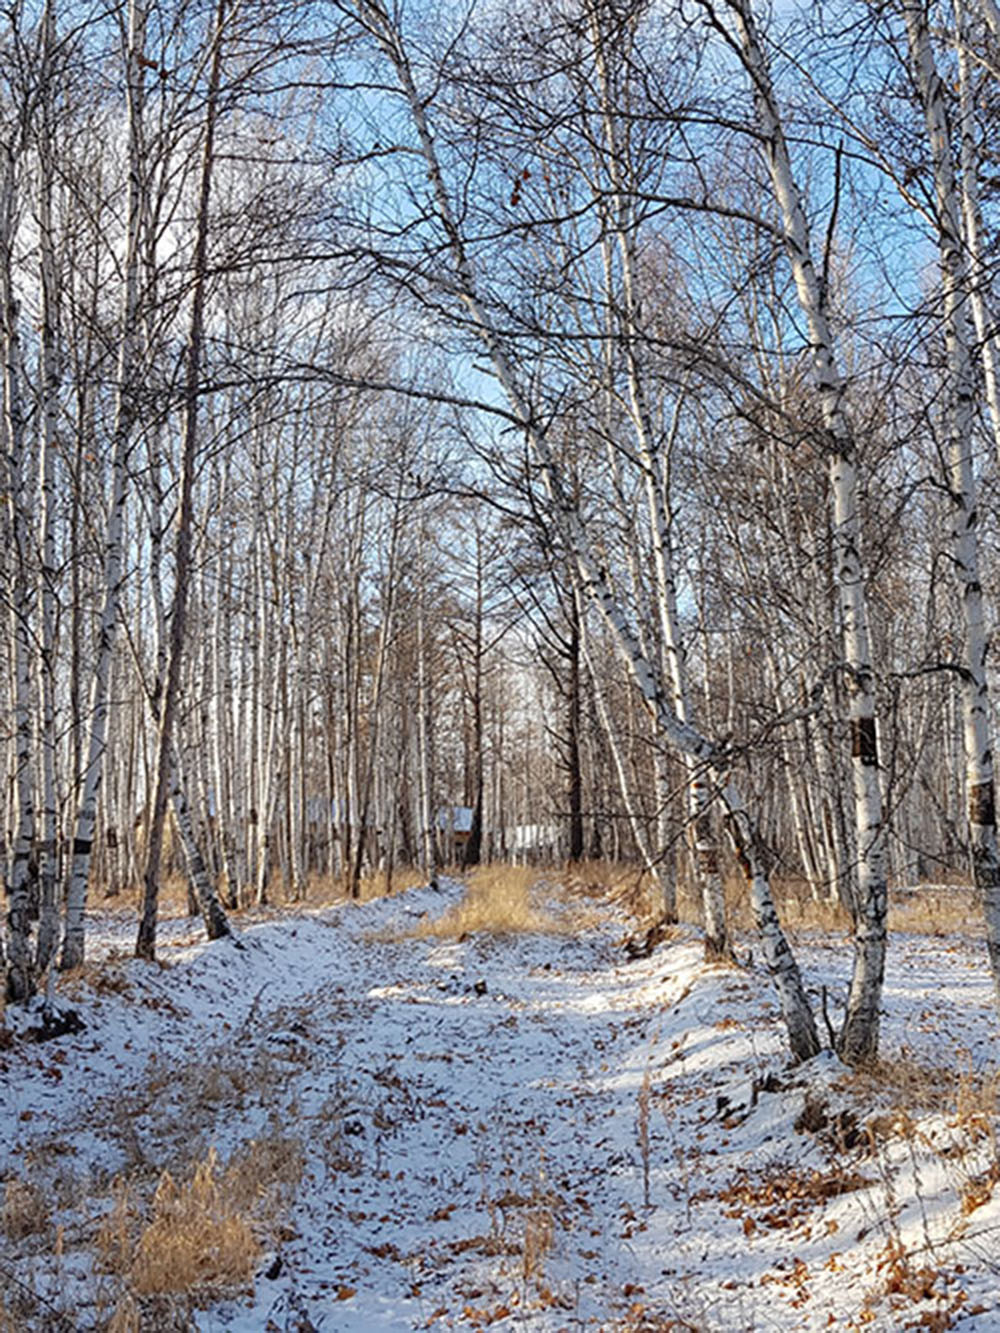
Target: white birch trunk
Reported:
point(991, 13)
point(594, 581)
point(858, 1041)
point(166, 771)
point(979, 277)
point(209, 904)
point(114, 570)
point(424, 741)
point(705, 852)
point(20, 964)
point(636, 826)
point(48, 924)
point(976, 724)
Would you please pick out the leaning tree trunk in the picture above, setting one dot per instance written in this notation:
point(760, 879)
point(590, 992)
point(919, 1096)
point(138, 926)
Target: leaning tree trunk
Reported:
point(623, 224)
point(209, 904)
point(974, 690)
point(594, 580)
point(651, 864)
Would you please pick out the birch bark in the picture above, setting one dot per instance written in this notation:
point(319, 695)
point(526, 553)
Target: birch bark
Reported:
point(978, 277)
point(114, 570)
point(976, 724)
point(48, 923)
point(145, 946)
point(635, 824)
point(623, 226)
point(20, 964)
point(424, 723)
point(858, 1040)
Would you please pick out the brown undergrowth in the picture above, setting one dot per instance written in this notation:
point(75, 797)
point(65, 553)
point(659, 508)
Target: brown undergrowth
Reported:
point(504, 899)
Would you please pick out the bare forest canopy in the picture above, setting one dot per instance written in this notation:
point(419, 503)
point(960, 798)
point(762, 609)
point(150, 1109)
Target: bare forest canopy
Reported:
point(544, 430)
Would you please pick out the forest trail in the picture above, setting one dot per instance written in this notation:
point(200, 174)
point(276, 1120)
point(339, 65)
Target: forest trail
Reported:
point(518, 1130)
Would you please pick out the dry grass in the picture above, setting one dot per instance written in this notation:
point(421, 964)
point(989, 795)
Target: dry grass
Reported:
point(931, 910)
point(502, 900)
point(104, 976)
point(937, 910)
point(204, 1233)
point(969, 1097)
point(197, 1237)
point(320, 891)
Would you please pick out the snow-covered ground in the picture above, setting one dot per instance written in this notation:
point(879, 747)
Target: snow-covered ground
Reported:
point(522, 1131)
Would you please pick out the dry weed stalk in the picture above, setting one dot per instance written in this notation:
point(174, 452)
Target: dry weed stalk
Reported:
point(126, 1317)
point(114, 1242)
point(539, 1230)
point(202, 1234)
point(642, 1124)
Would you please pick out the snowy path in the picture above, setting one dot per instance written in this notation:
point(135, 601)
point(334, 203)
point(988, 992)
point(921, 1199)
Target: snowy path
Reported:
point(478, 1120)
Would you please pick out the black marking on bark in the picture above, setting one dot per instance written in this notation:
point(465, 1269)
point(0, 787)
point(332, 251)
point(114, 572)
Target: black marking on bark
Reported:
point(864, 745)
point(982, 804)
point(82, 846)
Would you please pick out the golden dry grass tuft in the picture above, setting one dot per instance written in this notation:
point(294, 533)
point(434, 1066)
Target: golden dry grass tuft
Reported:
point(197, 1237)
point(498, 900)
point(507, 900)
point(202, 1234)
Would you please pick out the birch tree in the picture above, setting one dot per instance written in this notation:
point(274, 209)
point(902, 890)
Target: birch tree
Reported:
point(858, 1039)
point(127, 383)
point(565, 515)
point(20, 964)
point(961, 480)
point(166, 764)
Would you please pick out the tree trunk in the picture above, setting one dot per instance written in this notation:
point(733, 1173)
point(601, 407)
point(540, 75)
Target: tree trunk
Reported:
point(20, 963)
point(974, 692)
point(858, 1041)
point(126, 391)
point(145, 945)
